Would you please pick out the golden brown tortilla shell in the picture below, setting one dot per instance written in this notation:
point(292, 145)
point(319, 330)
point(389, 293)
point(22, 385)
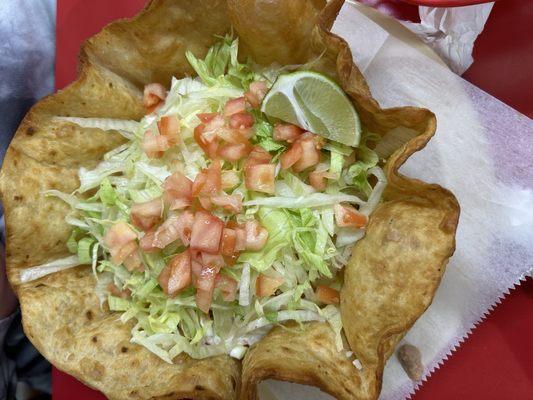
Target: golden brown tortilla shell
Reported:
point(390, 280)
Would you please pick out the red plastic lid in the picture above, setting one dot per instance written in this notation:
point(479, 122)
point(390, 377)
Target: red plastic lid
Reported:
point(446, 3)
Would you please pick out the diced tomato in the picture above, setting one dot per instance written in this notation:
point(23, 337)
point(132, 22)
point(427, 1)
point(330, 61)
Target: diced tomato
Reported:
point(120, 239)
point(178, 204)
point(310, 152)
point(133, 262)
point(169, 126)
point(260, 177)
point(213, 126)
point(147, 242)
point(347, 216)
point(196, 268)
point(215, 261)
point(206, 232)
point(258, 155)
point(167, 232)
point(186, 221)
point(205, 284)
point(146, 215)
point(240, 239)
point(291, 156)
point(176, 275)
point(241, 120)
point(209, 147)
point(154, 145)
point(115, 291)
point(234, 152)
point(119, 234)
point(229, 179)
point(230, 203)
point(153, 95)
point(266, 286)
point(229, 240)
point(178, 191)
point(205, 203)
point(227, 286)
point(234, 106)
point(327, 295)
point(287, 132)
point(317, 179)
point(206, 279)
point(256, 235)
point(119, 255)
point(208, 182)
point(206, 117)
point(256, 94)
point(178, 185)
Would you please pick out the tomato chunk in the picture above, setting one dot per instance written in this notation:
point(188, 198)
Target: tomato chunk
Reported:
point(205, 285)
point(206, 117)
point(260, 177)
point(256, 94)
point(317, 179)
point(234, 106)
point(258, 155)
point(240, 239)
point(178, 191)
point(256, 235)
point(120, 239)
point(176, 275)
point(310, 152)
point(146, 215)
point(241, 120)
point(327, 295)
point(169, 126)
point(167, 232)
point(347, 216)
point(234, 152)
point(291, 156)
point(134, 262)
point(209, 147)
point(154, 145)
point(147, 242)
point(230, 203)
point(208, 182)
point(229, 240)
point(186, 221)
point(266, 285)
point(227, 286)
point(215, 261)
point(153, 95)
point(287, 132)
point(206, 232)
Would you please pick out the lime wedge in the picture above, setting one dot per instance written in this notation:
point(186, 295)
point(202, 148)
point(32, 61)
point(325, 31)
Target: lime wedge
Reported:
point(315, 103)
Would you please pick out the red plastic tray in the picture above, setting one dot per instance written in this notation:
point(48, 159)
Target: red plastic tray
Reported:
point(496, 361)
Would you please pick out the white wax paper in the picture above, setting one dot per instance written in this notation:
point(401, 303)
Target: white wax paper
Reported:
point(483, 152)
point(452, 31)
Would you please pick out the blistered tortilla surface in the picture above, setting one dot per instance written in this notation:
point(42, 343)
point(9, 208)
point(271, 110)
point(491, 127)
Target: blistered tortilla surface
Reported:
point(389, 281)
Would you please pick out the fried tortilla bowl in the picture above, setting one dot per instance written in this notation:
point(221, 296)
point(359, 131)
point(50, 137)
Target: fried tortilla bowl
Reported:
point(389, 282)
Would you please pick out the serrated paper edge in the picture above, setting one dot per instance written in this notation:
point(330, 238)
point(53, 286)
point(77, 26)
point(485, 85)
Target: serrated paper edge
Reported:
point(456, 345)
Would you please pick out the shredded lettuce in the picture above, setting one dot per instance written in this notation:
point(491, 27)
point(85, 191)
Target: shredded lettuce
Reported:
point(264, 135)
point(311, 200)
point(33, 273)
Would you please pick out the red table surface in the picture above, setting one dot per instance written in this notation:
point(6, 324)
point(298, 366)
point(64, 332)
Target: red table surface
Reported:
point(496, 361)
